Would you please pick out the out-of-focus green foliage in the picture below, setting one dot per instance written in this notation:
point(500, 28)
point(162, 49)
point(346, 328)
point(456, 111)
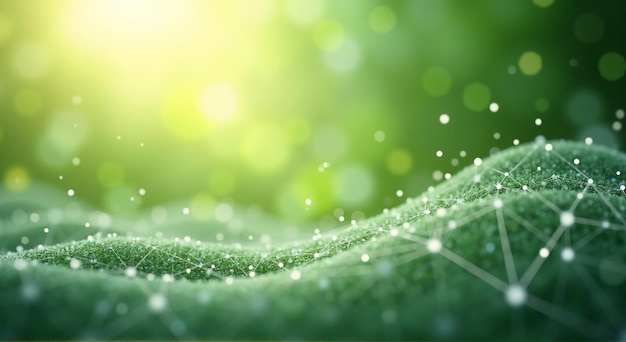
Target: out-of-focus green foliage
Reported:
point(314, 110)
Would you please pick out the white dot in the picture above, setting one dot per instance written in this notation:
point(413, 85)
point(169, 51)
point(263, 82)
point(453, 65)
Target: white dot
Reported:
point(478, 161)
point(622, 187)
point(444, 119)
point(576, 161)
point(157, 302)
point(515, 295)
point(185, 211)
point(399, 193)
point(567, 254)
point(538, 122)
point(588, 140)
point(142, 192)
point(590, 181)
point(281, 265)
point(46, 230)
point(567, 219)
point(307, 201)
point(252, 274)
point(75, 263)
point(433, 245)
point(525, 187)
point(379, 136)
point(130, 272)
point(77, 100)
point(70, 192)
point(548, 147)
point(544, 252)
point(365, 258)
point(515, 142)
point(75, 161)
point(498, 186)
point(295, 275)
point(497, 203)
point(494, 107)
point(439, 154)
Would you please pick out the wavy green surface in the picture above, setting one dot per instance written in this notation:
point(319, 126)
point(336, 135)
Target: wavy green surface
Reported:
point(528, 243)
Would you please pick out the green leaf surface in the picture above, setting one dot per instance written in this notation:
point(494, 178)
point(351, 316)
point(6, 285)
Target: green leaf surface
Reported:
point(528, 243)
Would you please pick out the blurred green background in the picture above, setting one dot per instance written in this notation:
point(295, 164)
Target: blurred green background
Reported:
point(309, 109)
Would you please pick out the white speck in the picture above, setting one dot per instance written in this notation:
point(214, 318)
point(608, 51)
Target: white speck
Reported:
point(70, 192)
point(606, 224)
point(619, 114)
point(576, 161)
point(185, 211)
point(567, 218)
point(439, 154)
point(77, 100)
point(497, 203)
point(46, 230)
point(157, 302)
point(548, 147)
point(307, 201)
point(525, 187)
point(130, 272)
point(379, 136)
point(365, 258)
point(515, 295)
point(399, 193)
point(494, 107)
point(515, 142)
point(444, 119)
point(75, 263)
point(544, 252)
point(142, 192)
point(252, 274)
point(498, 186)
point(567, 254)
point(433, 245)
point(588, 140)
point(341, 218)
point(75, 161)
point(452, 224)
point(538, 122)
point(478, 161)
point(295, 275)
point(229, 280)
point(589, 181)
point(622, 187)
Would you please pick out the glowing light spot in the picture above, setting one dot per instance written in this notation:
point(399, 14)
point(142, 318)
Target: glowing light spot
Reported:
point(379, 136)
point(567, 254)
point(437, 81)
point(476, 96)
point(365, 258)
point(544, 252)
point(75, 264)
point(497, 203)
point(433, 245)
point(16, 178)
point(612, 66)
point(307, 201)
point(588, 141)
point(142, 192)
point(548, 147)
point(382, 19)
point(576, 161)
point(444, 119)
point(538, 122)
point(219, 102)
point(494, 107)
point(399, 162)
point(157, 302)
point(71, 192)
point(567, 219)
point(31, 60)
point(295, 275)
point(439, 154)
point(130, 272)
point(530, 63)
point(399, 193)
point(589, 181)
point(478, 161)
point(515, 295)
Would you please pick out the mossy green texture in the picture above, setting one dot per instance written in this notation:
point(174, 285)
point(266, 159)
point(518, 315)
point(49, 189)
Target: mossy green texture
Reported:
point(528, 243)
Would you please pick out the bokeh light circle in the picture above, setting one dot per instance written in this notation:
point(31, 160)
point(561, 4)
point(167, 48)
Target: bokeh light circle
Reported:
point(476, 96)
point(612, 66)
point(530, 63)
point(382, 19)
point(437, 81)
point(265, 147)
point(588, 28)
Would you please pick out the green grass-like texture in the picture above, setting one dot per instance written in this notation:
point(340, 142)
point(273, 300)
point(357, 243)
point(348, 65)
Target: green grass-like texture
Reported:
point(527, 244)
